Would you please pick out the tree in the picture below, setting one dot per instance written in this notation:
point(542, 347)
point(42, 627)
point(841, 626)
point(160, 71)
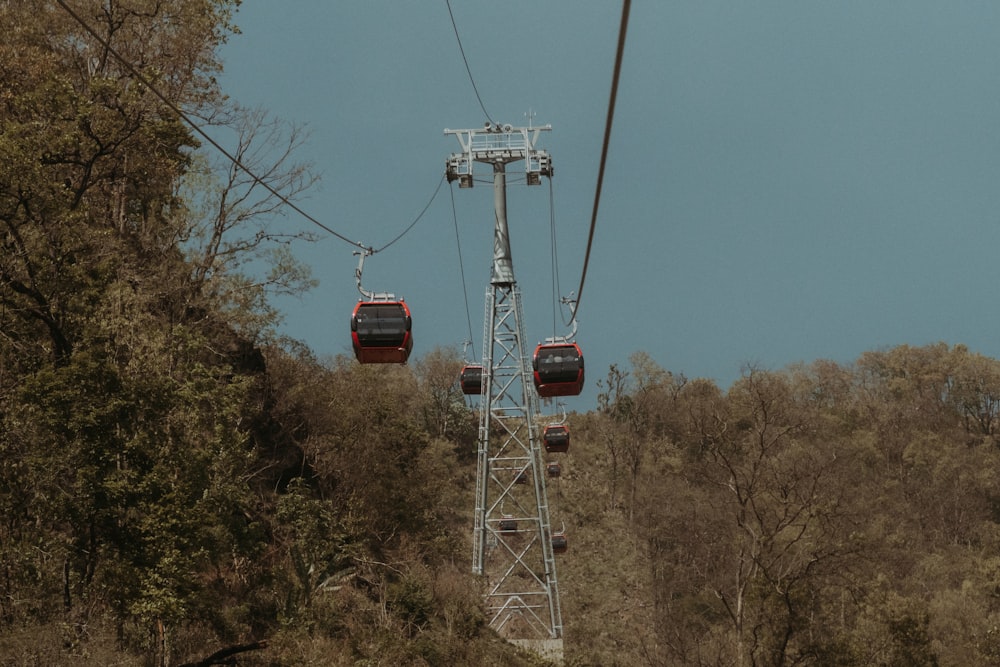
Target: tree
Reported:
point(445, 412)
point(124, 394)
point(613, 404)
point(975, 393)
point(231, 222)
point(749, 528)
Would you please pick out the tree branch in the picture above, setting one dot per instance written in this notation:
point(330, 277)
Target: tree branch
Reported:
point(221, 657)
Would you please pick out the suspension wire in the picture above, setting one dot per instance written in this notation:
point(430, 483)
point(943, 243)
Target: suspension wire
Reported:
point(466, 61)
point(556, 291)
point(233, 159)
point(415, 220)
point(461, 269)
point(626, 5)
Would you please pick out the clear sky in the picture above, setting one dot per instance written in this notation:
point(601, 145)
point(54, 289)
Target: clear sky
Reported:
point(787, 180)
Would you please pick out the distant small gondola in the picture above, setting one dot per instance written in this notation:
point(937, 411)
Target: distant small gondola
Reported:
point(553, 469)
point(558, 369)
point(471, 380)
point(508, 524)
point(381, 332)
point(521, 477)
point(556, 438)
point(559, 543)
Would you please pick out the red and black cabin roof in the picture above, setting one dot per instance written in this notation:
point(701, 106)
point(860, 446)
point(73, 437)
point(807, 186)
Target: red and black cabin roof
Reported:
point(471, 380)
point(556, 438)
point(558, 369)
point(381, 332)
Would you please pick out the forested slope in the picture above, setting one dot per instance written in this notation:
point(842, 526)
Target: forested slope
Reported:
point(175, 480)
point(824, 514)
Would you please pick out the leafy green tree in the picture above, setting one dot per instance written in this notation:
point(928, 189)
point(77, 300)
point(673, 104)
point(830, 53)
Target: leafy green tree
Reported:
point(125, 396)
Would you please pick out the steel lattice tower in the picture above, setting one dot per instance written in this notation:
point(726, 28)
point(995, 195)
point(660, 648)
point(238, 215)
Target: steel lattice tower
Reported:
point(512, 547)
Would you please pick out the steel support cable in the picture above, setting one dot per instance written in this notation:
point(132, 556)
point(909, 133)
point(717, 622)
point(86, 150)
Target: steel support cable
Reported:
point(626, 5)
point(415, 220)
point(556, 289)
point(461, 270)
point(233, 159)
point(466, 61)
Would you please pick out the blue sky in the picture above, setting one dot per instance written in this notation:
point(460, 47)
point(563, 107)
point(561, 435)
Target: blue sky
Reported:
point(787, 181)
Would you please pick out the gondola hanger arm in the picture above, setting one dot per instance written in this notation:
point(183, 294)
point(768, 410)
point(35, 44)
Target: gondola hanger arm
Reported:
point(562, 408)
point(555, 340)
point(368, 294)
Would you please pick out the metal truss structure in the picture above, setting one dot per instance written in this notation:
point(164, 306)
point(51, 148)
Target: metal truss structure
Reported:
point(512, 533)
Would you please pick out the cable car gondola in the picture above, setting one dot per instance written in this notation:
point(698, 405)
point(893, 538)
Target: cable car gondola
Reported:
point(559, 543)
point(558, 369)
point(471, 380)
point(380, 324)
point(553, 469)
point(381, 332)
point(556, 438)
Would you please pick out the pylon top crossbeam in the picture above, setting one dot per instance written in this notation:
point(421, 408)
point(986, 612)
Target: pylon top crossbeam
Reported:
point(498, 144)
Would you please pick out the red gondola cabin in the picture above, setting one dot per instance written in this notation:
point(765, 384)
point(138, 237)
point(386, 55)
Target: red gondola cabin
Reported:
point(381, 332)
point(471, 380)
point(559, 543)
point(556, 438)
point(558, 369)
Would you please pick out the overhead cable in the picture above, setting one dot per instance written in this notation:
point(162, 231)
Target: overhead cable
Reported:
point(556, 289)
point(466, 61)
point(184, 116)
point(626, 5)
point(461, 269)
point(415, 220)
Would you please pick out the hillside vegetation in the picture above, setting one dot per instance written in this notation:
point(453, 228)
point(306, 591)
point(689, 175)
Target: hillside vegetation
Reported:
point(178, 482)
point(825, 514)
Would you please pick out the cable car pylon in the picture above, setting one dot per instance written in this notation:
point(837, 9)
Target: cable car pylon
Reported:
point(512, 533)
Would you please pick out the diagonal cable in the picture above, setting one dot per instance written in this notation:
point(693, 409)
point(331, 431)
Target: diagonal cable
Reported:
point(148, 84)
point(466, 61)
point(626, 5)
